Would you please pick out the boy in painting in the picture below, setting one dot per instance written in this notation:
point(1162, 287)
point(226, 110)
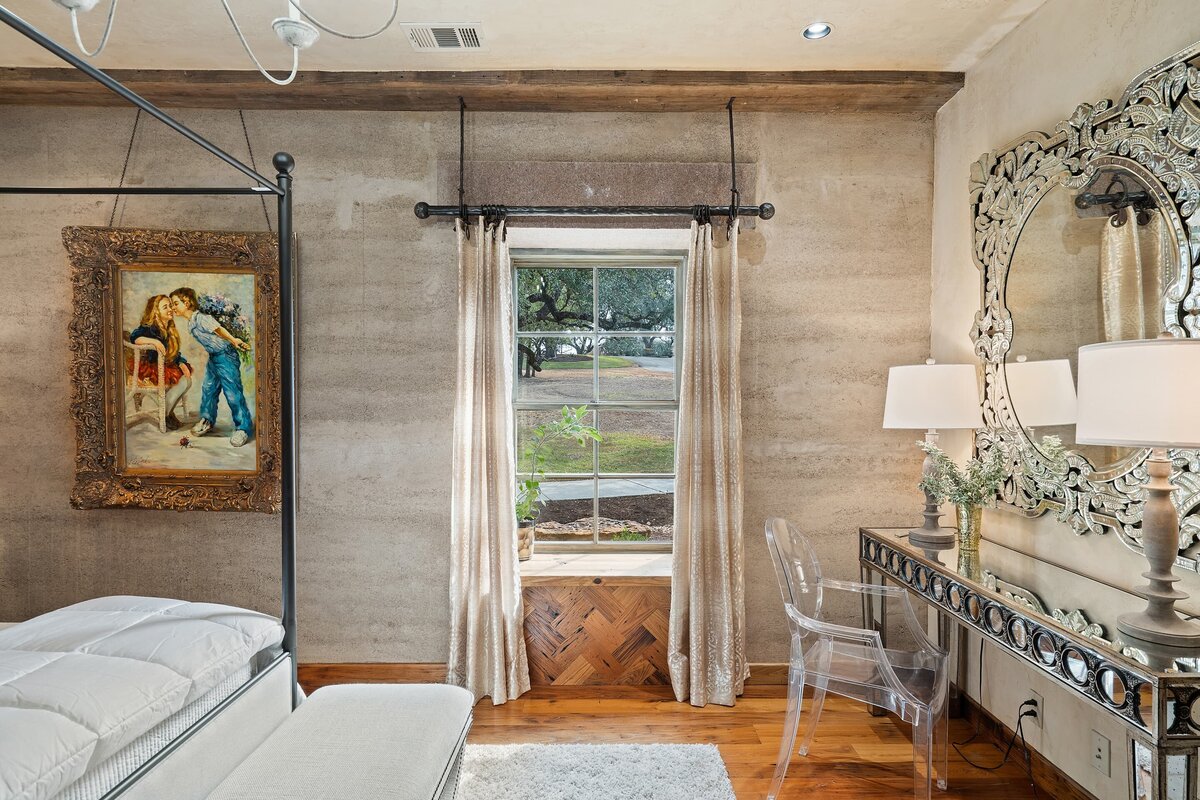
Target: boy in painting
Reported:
point(224, 373)
point(157, 328)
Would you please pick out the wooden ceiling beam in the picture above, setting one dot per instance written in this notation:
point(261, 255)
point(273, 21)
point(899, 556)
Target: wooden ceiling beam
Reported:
point(514, 90)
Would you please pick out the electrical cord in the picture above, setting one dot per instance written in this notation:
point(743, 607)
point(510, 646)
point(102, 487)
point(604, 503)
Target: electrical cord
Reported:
point(1026, 709)
point(246, 46)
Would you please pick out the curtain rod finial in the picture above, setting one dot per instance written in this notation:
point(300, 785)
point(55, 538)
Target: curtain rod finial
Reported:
point(766, 211)
point(421, 210)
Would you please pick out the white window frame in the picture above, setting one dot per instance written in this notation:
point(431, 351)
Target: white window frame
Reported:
point(599, 259)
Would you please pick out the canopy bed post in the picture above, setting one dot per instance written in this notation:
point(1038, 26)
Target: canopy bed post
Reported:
point(288, 419)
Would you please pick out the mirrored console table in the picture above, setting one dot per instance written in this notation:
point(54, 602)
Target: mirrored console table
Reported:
point(1031, 608)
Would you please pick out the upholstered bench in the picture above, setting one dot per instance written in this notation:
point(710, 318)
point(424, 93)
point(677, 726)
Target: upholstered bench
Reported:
point(360, 742)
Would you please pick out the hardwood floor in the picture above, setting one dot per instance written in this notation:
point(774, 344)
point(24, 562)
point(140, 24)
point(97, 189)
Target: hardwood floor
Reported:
point(854, 755)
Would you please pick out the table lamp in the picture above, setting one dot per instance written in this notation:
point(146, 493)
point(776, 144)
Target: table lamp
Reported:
point(927, 397)
point(1041, 392)
point(1142, 393)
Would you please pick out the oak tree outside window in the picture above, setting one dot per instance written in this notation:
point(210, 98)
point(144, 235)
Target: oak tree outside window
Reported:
point(600, 332)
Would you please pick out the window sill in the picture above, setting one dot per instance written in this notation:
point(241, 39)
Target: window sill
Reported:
point(583, 568)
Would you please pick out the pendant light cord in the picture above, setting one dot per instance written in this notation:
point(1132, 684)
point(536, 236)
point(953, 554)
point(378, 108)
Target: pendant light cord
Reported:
point(395, 10)
point(125, 167)
point(246, 46)
point(112, 11)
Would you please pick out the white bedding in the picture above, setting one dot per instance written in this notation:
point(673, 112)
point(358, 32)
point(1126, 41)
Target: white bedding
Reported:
point(79, 684)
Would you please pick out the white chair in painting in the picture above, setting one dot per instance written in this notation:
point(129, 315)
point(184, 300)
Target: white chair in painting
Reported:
point(136, 389)
point(854, 663)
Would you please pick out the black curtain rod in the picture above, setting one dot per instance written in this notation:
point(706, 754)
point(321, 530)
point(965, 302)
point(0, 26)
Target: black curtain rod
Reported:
point(155, 190)
point(118, 88)
point(425, 211)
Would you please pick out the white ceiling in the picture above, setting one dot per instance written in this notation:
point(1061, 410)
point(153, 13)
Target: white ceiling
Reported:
point(544, 34)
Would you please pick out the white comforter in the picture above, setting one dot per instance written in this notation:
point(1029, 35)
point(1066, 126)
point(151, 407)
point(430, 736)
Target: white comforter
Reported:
point(80, 683)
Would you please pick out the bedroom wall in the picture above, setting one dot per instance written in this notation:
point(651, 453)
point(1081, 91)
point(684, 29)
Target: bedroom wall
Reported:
point(836, 290)
point(1068, 52)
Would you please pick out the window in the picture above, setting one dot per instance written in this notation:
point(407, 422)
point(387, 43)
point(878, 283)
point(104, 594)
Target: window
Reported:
point(600, 332)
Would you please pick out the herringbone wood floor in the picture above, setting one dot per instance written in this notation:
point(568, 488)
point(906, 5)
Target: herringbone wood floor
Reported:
point(855, 756)
point(599, 632)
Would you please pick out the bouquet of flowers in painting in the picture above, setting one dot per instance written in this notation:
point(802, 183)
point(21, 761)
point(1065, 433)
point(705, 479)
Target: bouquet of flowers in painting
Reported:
point(229, 315)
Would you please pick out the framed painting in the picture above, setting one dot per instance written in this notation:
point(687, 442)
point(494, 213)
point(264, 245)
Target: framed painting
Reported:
point(175, 369)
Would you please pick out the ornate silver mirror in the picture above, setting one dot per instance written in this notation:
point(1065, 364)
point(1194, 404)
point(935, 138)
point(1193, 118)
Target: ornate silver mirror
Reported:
point(1086, 235)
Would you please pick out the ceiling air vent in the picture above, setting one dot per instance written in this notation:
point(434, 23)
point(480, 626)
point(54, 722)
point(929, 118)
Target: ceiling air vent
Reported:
point(444, 37)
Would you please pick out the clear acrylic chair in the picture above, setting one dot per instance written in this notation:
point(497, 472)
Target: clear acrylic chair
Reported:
point(853, 662)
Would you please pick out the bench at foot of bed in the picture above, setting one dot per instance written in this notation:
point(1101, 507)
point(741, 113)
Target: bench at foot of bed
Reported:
point(367, 741)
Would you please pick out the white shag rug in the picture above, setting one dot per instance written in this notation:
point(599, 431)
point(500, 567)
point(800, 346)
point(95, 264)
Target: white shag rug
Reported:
point(594, 772)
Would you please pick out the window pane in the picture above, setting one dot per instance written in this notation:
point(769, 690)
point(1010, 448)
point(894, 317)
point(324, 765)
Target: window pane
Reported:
point(637, 368)
point(556, 299)
point(637, 299)
point(561, 454)
point(567, 515)
point(633, 511)
point(637, 442)
point(555, 368)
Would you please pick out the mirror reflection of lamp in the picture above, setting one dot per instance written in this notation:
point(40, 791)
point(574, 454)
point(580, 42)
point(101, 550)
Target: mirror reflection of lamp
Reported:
point(1142, 393)
point(927, 397)
point(1041, 393)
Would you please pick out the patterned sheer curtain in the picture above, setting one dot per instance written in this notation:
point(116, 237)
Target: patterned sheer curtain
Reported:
point(1133, 275)
point(487, 645)
point(706, 651)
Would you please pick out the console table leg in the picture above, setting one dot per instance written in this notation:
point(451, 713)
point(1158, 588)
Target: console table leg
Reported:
point(951, 639)
point(875, 615)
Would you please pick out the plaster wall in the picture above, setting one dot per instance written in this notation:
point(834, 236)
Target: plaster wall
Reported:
point(836, 289)
point(1065, 53)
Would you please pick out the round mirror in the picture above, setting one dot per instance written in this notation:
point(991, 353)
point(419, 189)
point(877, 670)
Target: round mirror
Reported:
point(906, 570)
point(894, 562)
point(1075, 665)
point(937, 587)
point(1146, 704)
point(1112, 687)
point(1088, 266)
point(921, 581)
point(994, 620)
point(1043, 645)
point(956, 597)
point(973, 610)
point(871, 548)
point(1018, 634)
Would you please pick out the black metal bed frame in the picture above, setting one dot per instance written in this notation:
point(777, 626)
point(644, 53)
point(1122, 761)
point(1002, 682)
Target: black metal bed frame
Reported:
point(281, 187)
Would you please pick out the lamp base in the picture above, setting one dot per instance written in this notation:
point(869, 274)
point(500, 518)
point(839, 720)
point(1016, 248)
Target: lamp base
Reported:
point(1168, 630)
point(936, 539)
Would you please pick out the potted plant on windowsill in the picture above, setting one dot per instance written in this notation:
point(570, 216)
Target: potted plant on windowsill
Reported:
point(530, 500)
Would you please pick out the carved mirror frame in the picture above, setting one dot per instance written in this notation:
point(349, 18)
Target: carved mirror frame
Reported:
point(1153, 132)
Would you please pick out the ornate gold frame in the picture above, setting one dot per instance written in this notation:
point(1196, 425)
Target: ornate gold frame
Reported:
point(96, 256)
point(1153, 132)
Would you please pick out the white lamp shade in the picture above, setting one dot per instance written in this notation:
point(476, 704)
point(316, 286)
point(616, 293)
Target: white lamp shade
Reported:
point(923, 396)
point(1041, 392)
point(1140, 393)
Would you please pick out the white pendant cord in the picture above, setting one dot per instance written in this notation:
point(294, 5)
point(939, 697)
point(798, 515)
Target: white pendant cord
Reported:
point(246, 45)
point(327, 29)
point(112, 11)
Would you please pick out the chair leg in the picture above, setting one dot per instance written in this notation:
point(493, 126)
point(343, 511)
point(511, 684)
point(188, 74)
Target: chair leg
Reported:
point(790, 723)
point(941, 747)
point(814, 714)
point(923, 758)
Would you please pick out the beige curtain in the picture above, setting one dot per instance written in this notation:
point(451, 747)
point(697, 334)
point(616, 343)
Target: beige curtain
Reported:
point(1132, 278)
point(707, 648)
point(487, 645)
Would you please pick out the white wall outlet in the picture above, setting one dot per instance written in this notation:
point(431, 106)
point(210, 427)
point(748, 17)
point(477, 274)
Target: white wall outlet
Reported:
point(1041, 710)
point(1100, 753)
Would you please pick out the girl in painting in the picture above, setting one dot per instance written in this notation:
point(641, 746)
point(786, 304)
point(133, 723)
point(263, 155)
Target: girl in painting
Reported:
point(157, 328)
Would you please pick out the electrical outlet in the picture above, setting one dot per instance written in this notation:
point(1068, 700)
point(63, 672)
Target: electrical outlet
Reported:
point(1041, 710)
point(1100, 753)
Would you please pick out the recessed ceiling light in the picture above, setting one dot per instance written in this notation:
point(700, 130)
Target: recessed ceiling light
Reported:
point(818, 30)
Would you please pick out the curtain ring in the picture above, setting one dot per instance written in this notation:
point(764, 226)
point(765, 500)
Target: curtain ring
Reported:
point(734, 199)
